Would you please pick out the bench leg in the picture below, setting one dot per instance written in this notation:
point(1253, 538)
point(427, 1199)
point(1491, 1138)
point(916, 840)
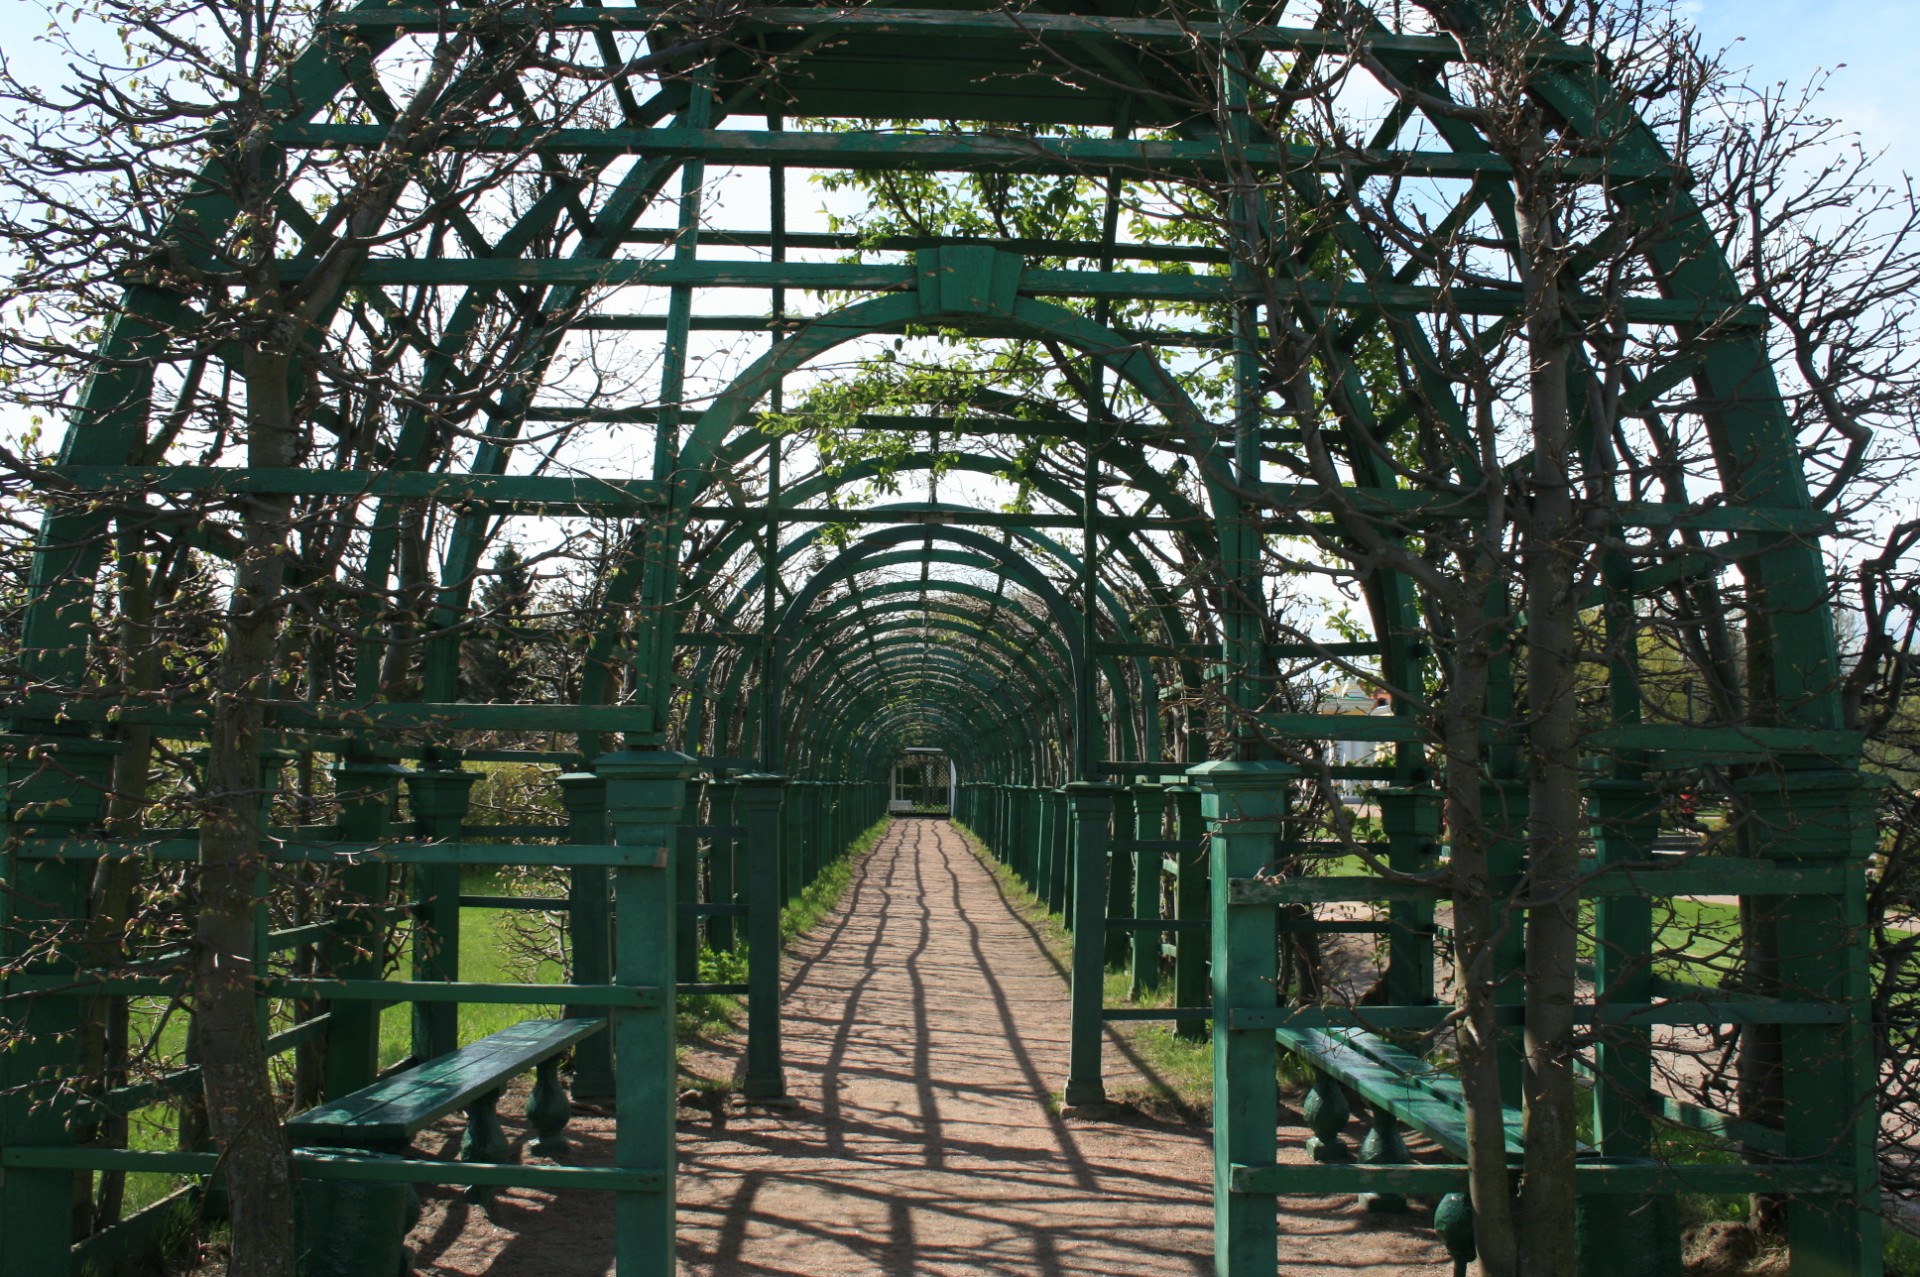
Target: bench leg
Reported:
point(484, 1142)
point(354, 1228)
point(549, 1110)
point(1384, 1147)
point(1327, 1111)
point(1453, 1220)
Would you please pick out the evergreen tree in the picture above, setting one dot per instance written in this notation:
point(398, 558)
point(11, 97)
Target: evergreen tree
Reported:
point(497, 660)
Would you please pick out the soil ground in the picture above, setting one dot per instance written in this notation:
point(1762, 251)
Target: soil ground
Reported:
point(926, 1038)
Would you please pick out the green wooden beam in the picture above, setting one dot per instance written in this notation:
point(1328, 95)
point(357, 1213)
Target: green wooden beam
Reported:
point(927, 24)
point(1096, 285)
point(906, 150)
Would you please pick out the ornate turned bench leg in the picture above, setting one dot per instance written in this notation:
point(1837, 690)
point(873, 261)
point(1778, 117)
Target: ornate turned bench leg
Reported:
point(1453, 1220)
point(484, 1141)
point(549, 1110)
point(1327, 1111)
point(1384, 1147)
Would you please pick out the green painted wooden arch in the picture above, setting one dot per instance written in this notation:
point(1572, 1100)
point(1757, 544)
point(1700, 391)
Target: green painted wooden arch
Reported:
point(1753, 442)
point(898, 651)
point(997, 750)
point(909, 558)
point(851, 559)
point(999, 674)
point(1061, 689)
point(1123, 694)
point(948, 732)
point(1007, 667)
point(731, 409)
point(890, 738)
point(951, 686)
point(733, 694)
point(845, 720)
point(1047, 684)
point(1176, 635)
point(999, 655)
point(1117, 615)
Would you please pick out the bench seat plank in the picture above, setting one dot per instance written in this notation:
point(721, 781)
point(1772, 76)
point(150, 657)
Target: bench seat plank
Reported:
point(395, 1110)
point(1399, 1081)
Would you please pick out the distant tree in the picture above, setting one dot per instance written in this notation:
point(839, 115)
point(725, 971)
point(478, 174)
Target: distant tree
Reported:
point(496, 664)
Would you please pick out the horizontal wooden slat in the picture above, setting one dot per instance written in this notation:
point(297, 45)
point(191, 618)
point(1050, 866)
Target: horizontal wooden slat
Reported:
point(1706, 876)
point(904, 150)
point(631, 997)
point(1158, 924)
point(1636, 1178)
point(318, 1164)
point(565, 855)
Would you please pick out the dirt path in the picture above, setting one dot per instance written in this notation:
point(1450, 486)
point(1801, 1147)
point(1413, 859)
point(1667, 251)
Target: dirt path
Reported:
point(926, 1033)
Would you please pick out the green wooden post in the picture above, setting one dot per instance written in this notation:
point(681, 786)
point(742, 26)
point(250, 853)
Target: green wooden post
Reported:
point(1192, 901)
point(788, 846)
point(1016, 832)
point(1036, 835)
point(1091, 804)
point(1006, 819)
point(1621, 1232)
point(833, 846)
point(1023, 833)
point(1411, 820)
point(760, 800)
point(646, 795)
point(1119, 872)
point(55, 795)
point(686, 891)
point(366, 791)
point(722, 796)
point(1826, 817)
point(1004, 805)
point(816, 831)
point(1149, 815)
point(1044, 817)
point(589, 925)
point(1244, 805)
point(797, 835)
point(1060, 852)
point(1625, 815)
point(439, 801)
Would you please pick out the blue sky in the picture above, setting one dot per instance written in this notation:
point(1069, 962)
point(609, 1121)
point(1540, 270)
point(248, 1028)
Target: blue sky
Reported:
point(1871, 46)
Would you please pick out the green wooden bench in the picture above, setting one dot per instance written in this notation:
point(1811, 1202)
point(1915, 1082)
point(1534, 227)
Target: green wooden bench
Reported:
point(385, 1117)
point(1402, 1089)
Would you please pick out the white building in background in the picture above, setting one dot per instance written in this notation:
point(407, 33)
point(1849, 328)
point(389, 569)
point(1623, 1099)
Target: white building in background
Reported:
point(1357, 700)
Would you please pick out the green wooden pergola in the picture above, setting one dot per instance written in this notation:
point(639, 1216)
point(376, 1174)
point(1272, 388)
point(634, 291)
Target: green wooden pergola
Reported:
point(1100, 663)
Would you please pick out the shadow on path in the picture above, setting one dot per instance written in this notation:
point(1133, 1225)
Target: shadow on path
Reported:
point(925, 1033)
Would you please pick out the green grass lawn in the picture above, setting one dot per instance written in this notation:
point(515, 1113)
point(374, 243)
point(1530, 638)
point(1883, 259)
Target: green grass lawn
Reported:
point(485, 957)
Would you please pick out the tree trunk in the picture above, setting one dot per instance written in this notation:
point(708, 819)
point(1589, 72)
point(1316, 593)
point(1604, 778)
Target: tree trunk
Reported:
point(1474, 926)
point(242, 1116)
point(1551, 559)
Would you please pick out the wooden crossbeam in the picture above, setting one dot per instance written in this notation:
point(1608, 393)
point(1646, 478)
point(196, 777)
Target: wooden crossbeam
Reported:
point(896, 150)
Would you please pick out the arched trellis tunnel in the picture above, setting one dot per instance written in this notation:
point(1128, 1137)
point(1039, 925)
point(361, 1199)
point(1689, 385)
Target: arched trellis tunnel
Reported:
point(1096, 635)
